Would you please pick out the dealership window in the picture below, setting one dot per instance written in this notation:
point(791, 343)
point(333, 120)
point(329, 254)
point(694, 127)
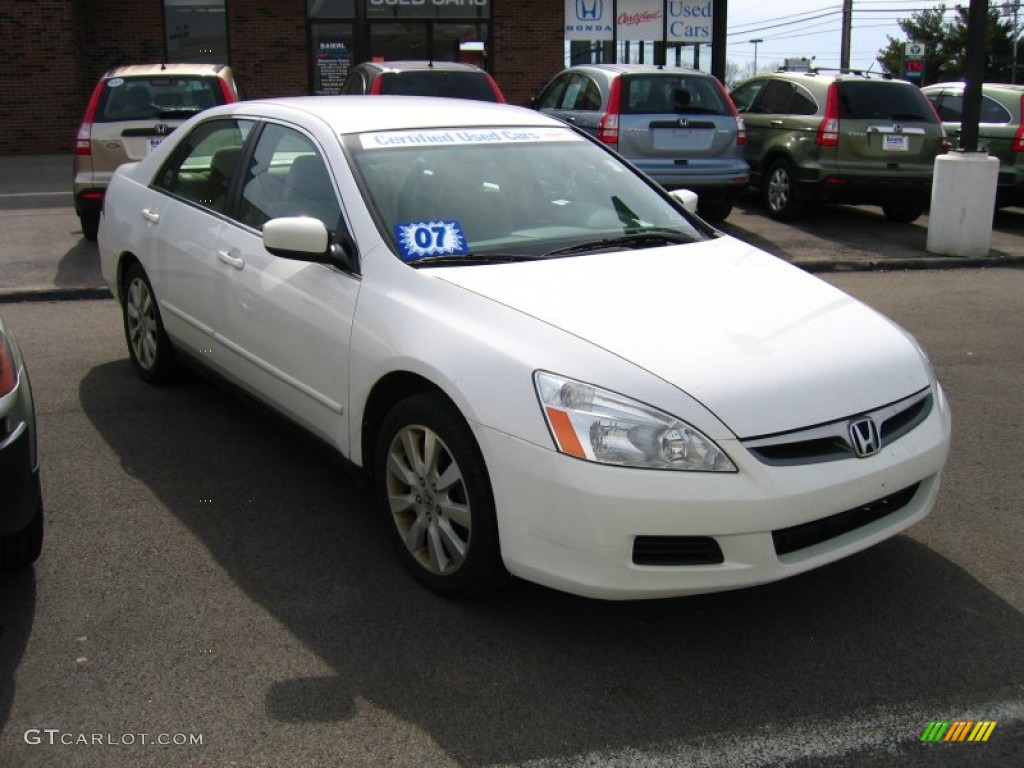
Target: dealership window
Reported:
point(196, 31)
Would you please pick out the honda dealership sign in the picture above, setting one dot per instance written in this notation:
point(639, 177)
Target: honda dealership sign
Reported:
point(688, 21)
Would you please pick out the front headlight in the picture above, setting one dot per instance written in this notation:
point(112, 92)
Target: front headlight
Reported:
point(597, 425)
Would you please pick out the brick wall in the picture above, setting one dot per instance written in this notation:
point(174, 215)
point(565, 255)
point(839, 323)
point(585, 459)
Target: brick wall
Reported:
point(268, 46)
point(527, 50)
point(54, 51)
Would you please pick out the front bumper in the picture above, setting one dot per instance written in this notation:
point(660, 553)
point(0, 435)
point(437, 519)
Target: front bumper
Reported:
point(574, 525)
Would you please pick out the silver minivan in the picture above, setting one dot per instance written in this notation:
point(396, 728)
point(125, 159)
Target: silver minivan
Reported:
point(677, 125)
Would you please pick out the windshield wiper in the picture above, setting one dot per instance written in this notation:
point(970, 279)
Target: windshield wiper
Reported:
point(648, 238)
point(463, 259)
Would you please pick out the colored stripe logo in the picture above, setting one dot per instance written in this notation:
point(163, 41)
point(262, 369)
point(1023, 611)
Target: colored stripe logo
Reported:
point(958, 730)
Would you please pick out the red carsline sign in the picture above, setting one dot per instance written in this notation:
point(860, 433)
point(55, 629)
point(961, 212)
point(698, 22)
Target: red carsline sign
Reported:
point(635, 19)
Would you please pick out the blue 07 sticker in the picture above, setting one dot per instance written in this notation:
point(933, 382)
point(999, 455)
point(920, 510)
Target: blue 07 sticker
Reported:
point(420, 239)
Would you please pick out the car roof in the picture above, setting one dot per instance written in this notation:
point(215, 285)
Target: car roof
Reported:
point(174, 68)
point(961, 84)
point(357, 114)
point(830, 75)
point(628, 69)
point(405, 66)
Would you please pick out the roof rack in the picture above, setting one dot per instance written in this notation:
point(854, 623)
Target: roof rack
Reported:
point(839, 70)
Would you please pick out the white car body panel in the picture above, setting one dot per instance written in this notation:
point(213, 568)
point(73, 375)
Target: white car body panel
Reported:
point(765, 349)
point(717, 333)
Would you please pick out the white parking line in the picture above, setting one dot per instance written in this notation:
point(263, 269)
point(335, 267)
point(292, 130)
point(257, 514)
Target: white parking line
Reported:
point(33, 194)
point(781, 744)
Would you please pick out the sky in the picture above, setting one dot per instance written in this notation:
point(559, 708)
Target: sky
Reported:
point(798, 28)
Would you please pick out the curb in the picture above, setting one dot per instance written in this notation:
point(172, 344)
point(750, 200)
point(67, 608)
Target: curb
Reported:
point(55, 294)
point(904, 264)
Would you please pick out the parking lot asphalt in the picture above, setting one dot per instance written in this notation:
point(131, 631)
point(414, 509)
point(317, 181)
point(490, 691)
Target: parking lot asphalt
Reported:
point(43, 255)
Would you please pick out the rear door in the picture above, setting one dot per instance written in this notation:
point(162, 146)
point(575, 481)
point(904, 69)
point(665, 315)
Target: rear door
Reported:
point(779, 113)
point(886, 127)
point(575, 98)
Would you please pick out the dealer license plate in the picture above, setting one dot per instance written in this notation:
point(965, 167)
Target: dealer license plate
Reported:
point(894, 142)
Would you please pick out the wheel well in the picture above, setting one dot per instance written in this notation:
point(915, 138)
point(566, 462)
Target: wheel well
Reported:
point(769, 160)
point(386, 393)
point(123, 264)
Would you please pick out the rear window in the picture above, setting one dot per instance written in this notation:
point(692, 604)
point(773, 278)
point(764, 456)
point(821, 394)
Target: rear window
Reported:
point(882, 100)
point(142, 98)
point(459, 85)
point(667, 94)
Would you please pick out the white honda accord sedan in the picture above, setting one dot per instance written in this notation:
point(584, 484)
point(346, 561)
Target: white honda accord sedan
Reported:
point(548, 366)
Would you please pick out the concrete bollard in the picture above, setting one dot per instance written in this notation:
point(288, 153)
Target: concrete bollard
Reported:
point(963, 201)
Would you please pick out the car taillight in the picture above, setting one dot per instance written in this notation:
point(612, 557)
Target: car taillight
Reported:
point(608, 128)
point(497, 91)
point(828, 131)
point(741, 127)
point(8, 373)
point(226, 92)
point(1018, 137)
point(83, 143)
point(377, 86)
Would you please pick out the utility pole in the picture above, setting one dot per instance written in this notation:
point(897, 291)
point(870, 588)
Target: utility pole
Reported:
point(844, 46)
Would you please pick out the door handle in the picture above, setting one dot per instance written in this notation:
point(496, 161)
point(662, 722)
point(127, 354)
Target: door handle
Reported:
point(776, 123)
point(150, 215)
point(232, 261)
point(570, 119)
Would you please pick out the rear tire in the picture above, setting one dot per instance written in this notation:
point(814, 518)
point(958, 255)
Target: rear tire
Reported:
point(90, 225)
point(148, 344)
point(902, 213)
point(778, 191)
point(433, 491)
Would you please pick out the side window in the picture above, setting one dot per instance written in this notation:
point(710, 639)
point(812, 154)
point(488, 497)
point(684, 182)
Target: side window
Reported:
point(287, 177)
point(802, 102)
point(354, 84)
point(590, 98)
point(951, 107)
point(993, 112)
point(573, 90)
point(744, 96)
point(205, 163)
point(551, 97)
point(775, 98)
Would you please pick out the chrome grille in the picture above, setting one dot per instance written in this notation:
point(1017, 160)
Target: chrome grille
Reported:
point(832, 441)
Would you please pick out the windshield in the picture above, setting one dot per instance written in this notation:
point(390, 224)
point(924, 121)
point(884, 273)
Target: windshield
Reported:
point(485, 194)
point(144, 98)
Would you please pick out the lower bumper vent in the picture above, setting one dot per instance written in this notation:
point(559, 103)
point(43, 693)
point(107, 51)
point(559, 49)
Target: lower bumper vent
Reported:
point(676, 550)
point(808, 534)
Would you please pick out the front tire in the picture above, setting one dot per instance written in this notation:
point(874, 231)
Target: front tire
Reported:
point(778, 191)
point(902, 213)
point(433, 490)
point(148, 344)
point(22, 548)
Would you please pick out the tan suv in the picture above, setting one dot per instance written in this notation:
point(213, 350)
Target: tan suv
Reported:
point(132, 109)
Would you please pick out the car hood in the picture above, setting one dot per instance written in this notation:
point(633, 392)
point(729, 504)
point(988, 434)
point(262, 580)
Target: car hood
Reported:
point(765, 346)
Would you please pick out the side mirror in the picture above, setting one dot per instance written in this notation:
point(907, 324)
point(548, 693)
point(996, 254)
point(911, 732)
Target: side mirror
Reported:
point(303, 238)
point(687, 197)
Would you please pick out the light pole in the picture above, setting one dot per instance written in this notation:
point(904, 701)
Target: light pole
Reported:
point(755, 41)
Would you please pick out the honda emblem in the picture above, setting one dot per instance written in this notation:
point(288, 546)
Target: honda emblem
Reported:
point(864, 437)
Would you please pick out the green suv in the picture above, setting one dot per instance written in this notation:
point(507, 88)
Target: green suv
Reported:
point(839, 137)
point(1000, 131)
